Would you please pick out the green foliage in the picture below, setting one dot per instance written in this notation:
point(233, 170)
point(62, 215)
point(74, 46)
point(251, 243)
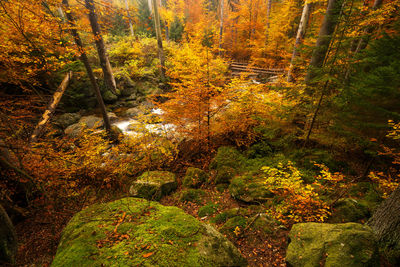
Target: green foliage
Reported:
point(176, 30)
point(207, 210)
point(145, 19)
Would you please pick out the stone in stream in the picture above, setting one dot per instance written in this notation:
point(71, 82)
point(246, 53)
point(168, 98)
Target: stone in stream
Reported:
point(332, 245)
point(153, 185)
point(137, 232)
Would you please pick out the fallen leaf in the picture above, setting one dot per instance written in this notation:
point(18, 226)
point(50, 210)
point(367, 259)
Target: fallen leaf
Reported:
point(147, 254)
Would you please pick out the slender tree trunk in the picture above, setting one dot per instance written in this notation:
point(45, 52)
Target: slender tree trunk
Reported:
point(363, 42)
point(324, 38)
point(101, 49)
point(51, 108)
point(269, 5)
point(385, 222)
point(8, 237)
point(221, 25)
point(299, 38)
point(85, 60)
point(129, 18)
point(157, 27)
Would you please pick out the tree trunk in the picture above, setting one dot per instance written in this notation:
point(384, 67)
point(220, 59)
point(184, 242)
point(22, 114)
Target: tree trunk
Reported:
point(85, 60)
point(101, 49)
point(129, 18)
point(299, 38)
point(363, 42)
point(385, 222)
point(51, 108)
point(324, 38)
point(221, 26)
point(269, 5)
point(8, 239)
point(157, 27)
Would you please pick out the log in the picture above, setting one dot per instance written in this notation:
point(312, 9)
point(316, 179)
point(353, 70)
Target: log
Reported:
point(51, 108)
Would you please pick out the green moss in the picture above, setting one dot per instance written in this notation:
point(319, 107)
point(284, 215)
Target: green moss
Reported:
point(228, 157)
point(221, 187)
point(191, 195)
point(153, 185)
point(135, 232)
point(207, 210)
point(194, 177)
point(224, 216)
point(348, 244)
point(349, 210)
point(249, 189)
point(231, 224)
point(224, 175)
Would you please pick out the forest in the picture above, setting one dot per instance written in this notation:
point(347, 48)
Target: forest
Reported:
point(200, 133)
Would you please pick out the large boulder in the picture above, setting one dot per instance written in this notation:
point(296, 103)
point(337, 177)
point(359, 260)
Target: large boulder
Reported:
point(153, 185)
point(86, 122)
point(66, 119)
point(8, 239)
point(136, 232)
point(194, 177)
point(250, 189)
point(322, 244)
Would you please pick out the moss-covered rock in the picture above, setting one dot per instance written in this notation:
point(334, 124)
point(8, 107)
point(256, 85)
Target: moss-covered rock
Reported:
point(233, 223)
point(194, 177)
point(224, 175)
point(66, 119)
point(86, 122)
point(229, 157)
point(135, 232)
point(191, 195)
point(109, 97)
point(221, 187)
point(8, 239)
point(349, 244)
point(207, 210)
point(153, 185)
point(263, 222)
point(226, 215)
point(349, 210)
point(250, 189)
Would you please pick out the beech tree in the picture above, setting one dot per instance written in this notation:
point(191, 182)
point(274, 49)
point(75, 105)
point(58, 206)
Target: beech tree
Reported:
point(157, 26)
point(83, 57)
point(324, 38)
point(101, 49)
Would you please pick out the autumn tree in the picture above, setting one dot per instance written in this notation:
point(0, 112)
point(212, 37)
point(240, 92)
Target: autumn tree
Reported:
point(101, 49)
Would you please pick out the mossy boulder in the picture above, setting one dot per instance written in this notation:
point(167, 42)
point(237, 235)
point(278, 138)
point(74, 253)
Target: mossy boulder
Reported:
point(349, 210)
point(153, 185)
point(207, 210)
point(224, 175)
point(86, 122)
point(191, 195)
point(226, 215)
point(250, 189)
point(228, 157)
point(66, 119)
point(194, 177)
point(8, 239)
point(135, 232)
point(348, 244)
point(234, 223)
point(109, 97)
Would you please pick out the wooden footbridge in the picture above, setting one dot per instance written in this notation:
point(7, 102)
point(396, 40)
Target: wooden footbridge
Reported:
point(240, 68)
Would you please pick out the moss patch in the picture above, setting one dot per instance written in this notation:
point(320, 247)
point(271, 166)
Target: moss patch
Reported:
point(191, 195)
point(194, 177)
point(136, 232)
point(249, 189)
point(228, 157)
point(207, 210)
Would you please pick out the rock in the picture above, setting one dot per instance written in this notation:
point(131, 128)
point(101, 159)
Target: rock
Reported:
point(207, 210)
point(194, 177)
point(234, 224)
point(136, 232)
point(109, 97)
point(249, 189)
point(8, 239)
point(86, 122)
point(125, 84)
point(263, 222)
point(349, 210)
point(191, 195)
point(348, 244)
point(133, 112)
point(224, 175)
point(225, 215)
point(153, 185)
point(112, 117)
point(66, 119)
point(229, 157)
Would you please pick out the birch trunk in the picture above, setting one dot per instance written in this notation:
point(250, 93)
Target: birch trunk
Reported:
point(299, 38)
point(129, 17)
